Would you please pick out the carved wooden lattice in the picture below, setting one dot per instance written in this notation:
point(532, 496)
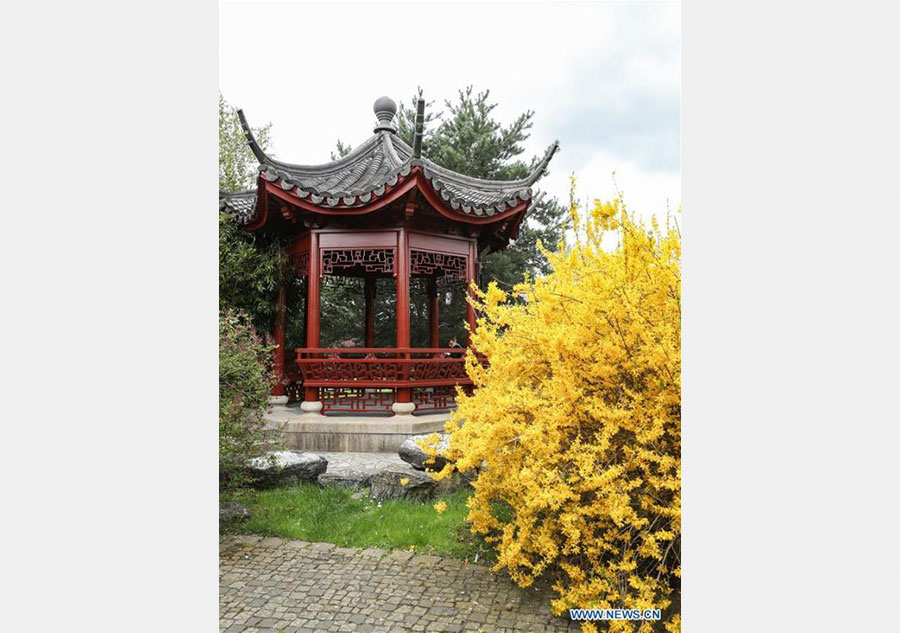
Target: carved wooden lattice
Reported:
point(354, 399)
point(384, 369)
point(437, 369)
point(429, 263)
point(434, 398)
point(380, 260)
point(332, 369)
point(367, 379)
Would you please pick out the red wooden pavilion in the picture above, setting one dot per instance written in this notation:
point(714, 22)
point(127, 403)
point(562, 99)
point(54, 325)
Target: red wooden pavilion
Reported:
point(382, 211)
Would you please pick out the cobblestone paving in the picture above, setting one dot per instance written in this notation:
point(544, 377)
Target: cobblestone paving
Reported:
point(271, 585)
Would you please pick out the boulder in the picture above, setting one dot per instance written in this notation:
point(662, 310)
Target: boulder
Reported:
point(453, 483)
point(346, 478)
point(387, 484)
point(285, 468)
point(416, 457)
point(232, 511)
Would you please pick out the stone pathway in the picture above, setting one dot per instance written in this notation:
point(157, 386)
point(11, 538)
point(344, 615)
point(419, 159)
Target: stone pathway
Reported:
point(275, 585)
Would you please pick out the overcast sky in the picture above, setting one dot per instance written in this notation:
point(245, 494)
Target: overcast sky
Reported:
point(602, 77)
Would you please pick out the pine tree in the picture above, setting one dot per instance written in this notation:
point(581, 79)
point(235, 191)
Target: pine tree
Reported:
point(466, 138)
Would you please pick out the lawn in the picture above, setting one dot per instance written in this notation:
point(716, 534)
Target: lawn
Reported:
point(327, 514)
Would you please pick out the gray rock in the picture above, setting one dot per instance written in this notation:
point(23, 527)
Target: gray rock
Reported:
point(233, 511)
point(286, 468)
point(385, 484)
point(358, 495)
point(346, 478)
point(456, 481)
point(415, 457)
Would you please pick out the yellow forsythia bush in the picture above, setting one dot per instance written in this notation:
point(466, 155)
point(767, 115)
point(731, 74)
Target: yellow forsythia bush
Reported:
point(575, 425)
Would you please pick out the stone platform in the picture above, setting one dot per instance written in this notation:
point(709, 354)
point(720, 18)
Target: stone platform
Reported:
point(348, 433)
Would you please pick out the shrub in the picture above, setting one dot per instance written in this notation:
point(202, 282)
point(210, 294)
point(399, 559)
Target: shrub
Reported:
point(575, 425)
point(249, 270)
point(245, 379)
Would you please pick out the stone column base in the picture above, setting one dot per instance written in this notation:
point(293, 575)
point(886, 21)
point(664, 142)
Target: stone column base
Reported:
point(403, 408)
point(312, 408)
point(278, 399)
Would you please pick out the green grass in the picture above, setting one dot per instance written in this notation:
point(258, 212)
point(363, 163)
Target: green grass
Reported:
point(328, 514)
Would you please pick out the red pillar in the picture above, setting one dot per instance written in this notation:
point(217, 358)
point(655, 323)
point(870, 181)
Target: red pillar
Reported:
point(304, 331)
point(370, 311)
point(311, 394)
point(278, 336)
point(433, 313)
point(471, 262)
point(404, 394)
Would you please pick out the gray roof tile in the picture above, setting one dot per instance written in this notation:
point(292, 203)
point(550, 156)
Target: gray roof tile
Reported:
point(379, 162)
point(240, 203)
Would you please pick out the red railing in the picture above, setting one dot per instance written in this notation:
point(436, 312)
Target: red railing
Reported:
point(382, 367)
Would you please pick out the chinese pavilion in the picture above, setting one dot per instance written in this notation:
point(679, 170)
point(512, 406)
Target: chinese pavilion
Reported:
point(382, 213)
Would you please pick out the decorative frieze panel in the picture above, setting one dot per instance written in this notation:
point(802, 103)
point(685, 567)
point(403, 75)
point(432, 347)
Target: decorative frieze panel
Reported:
point(337, 369)
point(348, 366)
point(380, 260)
point(445, 368)
point(430, 263)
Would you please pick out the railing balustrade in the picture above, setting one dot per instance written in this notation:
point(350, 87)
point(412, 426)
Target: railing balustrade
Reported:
point(382, 367)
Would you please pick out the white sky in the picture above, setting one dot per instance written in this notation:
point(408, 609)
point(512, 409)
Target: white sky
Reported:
point(602, 77)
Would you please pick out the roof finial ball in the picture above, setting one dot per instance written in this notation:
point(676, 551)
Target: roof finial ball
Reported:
point(385, 108)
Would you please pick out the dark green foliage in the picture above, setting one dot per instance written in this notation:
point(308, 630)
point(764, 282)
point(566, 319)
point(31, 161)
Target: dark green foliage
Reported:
point(343, 310)
point(342, 307)
point(248, 273)
point(249, 263)
point(469, 140)
point(295, 313)
point(245, 378)
point(249, 267)
point(451, 310)
point(545, 223)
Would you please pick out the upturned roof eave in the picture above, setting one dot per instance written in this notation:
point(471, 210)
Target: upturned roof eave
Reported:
point(394, 160)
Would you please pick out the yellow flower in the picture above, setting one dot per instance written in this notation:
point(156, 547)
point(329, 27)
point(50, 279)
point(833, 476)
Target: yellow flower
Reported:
point(574, 429)
point(441, 507)
point(404, 481)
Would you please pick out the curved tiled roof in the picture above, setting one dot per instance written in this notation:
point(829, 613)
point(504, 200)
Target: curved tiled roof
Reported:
point(380, 162)
point(241, 204)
